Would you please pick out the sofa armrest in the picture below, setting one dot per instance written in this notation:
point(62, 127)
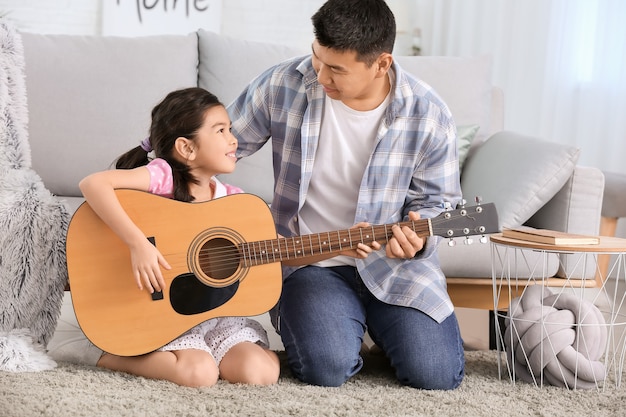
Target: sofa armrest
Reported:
point(577, 207)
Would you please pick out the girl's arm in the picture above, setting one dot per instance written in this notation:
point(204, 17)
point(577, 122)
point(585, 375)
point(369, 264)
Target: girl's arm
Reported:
point(99, 191)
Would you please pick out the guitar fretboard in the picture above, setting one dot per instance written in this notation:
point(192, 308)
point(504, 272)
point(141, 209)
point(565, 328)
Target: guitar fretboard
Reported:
point(276, 250)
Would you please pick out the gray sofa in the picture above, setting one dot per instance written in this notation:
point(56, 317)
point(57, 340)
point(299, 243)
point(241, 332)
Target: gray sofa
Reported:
point(89, 100)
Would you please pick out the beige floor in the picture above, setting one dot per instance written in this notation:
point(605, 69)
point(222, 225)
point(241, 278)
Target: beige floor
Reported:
point(474, 326)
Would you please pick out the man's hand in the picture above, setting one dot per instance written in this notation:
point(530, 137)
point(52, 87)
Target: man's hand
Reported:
point(405, 243)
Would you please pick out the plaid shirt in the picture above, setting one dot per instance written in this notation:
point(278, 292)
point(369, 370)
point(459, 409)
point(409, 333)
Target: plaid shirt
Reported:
point(414, 166)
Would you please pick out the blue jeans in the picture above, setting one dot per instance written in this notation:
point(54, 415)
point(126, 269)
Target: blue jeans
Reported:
point(324, 313)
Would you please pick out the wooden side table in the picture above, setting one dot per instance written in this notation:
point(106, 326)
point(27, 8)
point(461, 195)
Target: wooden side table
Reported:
point(551, 321)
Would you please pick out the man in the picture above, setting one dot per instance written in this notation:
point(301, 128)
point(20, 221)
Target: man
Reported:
point(356, 139)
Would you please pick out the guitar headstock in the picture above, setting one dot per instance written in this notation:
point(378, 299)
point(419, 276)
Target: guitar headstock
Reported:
point(467, 221)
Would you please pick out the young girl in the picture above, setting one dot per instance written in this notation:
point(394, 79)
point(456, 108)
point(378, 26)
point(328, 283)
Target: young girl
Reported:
point(190, 142)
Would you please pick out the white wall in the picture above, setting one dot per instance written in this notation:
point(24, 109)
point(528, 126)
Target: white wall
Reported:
point(81, 17)
point(278, 21)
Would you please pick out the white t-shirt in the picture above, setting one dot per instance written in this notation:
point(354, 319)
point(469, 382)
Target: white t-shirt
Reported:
point(347, 138)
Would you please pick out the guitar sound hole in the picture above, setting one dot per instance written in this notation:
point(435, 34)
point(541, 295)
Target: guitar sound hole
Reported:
point(219, 258)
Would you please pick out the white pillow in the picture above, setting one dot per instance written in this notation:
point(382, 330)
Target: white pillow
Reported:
point(464, 83)
point(465, 137)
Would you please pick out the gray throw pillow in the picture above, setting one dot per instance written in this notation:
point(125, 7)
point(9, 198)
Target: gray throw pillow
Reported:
point(519, 174)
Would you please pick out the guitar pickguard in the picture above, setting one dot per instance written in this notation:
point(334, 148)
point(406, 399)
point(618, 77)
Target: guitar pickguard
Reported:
point(189, 296)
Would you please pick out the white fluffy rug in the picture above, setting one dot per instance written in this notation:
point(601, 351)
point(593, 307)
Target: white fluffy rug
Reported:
point(73, 390)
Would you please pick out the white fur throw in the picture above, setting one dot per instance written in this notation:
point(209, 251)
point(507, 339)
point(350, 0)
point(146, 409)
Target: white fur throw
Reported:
point(559, 336)
point(18, 353)
point(14, 146)
point(33, 224)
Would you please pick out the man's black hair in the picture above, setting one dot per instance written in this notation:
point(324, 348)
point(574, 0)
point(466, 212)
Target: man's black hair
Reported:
point(367, 27)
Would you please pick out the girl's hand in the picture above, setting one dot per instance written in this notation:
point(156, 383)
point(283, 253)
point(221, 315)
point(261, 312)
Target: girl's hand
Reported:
point(146, 261)
point(405, 243)
point(362, 250)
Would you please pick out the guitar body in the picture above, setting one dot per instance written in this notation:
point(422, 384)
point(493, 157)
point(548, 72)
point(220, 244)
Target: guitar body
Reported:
point(121, 319)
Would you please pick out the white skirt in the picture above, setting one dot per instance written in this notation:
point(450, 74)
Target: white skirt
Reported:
point(217, 336)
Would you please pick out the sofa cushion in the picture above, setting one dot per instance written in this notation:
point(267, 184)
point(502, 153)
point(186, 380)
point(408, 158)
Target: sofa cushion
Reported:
point(519, 174)
point(473, 261)
point(464, 83)
point(90, 98)
point(227, 65)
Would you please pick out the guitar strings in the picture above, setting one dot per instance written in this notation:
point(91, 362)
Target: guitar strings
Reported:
point(296, 246)
point(229, 257)
point(228, 251)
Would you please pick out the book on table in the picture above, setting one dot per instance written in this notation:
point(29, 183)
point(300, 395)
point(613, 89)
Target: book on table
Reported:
point(552, 237)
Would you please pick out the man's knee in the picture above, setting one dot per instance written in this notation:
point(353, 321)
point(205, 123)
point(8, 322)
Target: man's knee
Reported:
point(433, 375)
point(330, 372)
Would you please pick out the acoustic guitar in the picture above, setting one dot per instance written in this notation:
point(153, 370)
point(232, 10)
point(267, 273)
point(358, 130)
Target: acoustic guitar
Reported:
point(225, 258)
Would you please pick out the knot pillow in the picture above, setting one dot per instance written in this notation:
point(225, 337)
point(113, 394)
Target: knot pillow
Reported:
point(560, 335)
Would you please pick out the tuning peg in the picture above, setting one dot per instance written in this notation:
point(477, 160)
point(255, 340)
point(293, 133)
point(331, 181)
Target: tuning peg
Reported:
point(478, 199)
point(468, 240)
point(462, 203)
point(447, 205)
point(451, 242)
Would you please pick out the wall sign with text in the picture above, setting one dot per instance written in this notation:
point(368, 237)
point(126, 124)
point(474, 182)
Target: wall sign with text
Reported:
point(155, 17)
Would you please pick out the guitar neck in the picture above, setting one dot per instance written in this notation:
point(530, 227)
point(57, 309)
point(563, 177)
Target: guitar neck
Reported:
point(290, 248)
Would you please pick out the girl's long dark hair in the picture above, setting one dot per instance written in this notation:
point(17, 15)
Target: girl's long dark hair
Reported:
point(181, 113)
